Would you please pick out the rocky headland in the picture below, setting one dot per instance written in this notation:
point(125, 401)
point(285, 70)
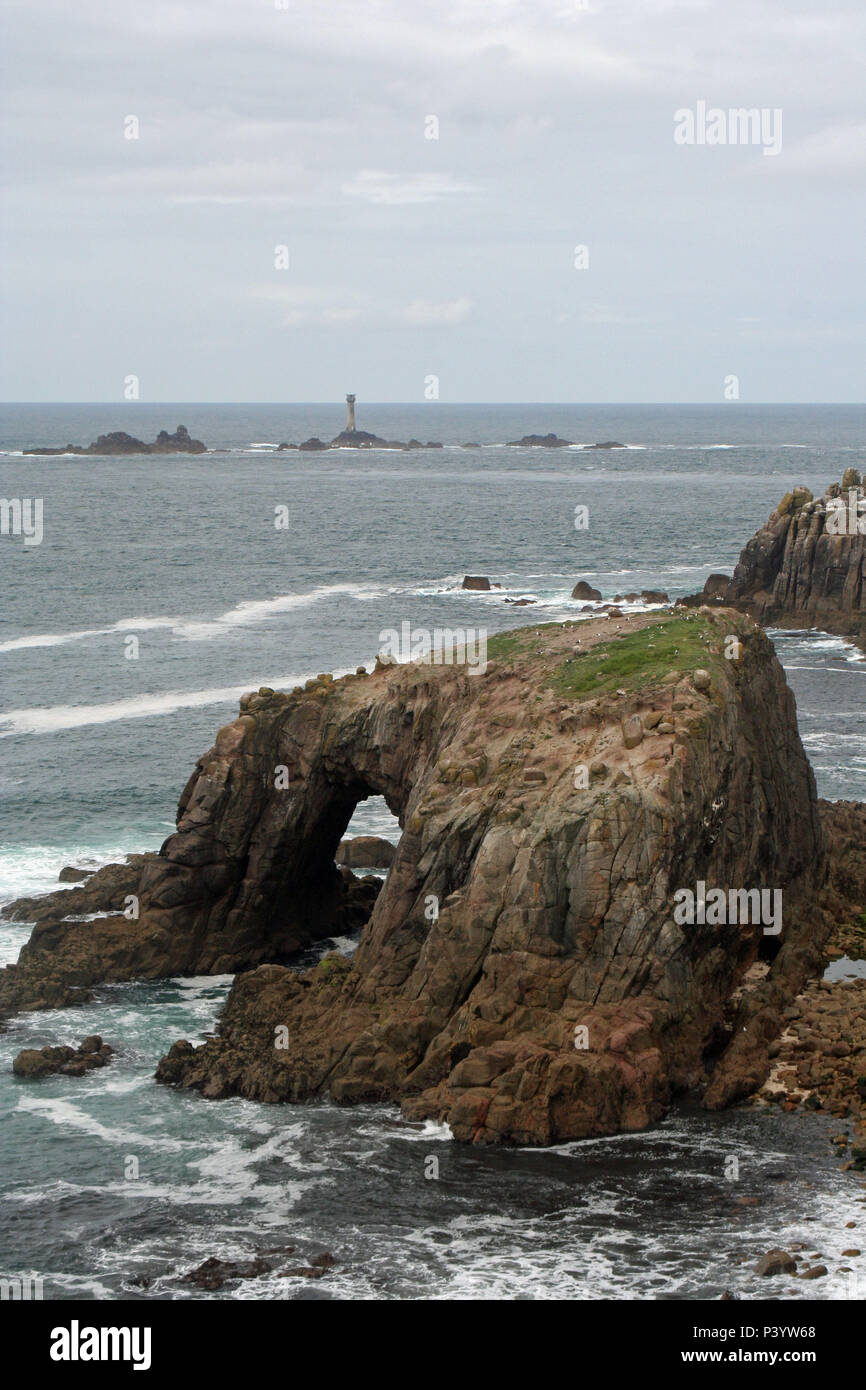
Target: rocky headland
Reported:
point(119, 442)
point(521, 974)
point(806, 567)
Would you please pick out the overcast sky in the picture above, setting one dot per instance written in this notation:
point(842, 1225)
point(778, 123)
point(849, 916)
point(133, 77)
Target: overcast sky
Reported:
point(306, 127)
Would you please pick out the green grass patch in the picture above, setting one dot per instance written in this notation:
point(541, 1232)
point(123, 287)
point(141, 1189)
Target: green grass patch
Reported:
point(522, 641)
point(636, 659)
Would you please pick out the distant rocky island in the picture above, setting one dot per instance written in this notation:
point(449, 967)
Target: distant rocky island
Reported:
point(181, 442)
point(358, 439)
point(552, 441)
point(353, 438)
point(361, 439)
point(119, 442)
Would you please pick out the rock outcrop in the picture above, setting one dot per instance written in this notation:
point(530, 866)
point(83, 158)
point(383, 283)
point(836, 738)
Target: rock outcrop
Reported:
point(32, 1063)
point(70, 951)
point(540, 441)
point(582, 590)
point(806, 567)
point(119, 442)
point(523, 975)
point(359, 439)
point(366, 852)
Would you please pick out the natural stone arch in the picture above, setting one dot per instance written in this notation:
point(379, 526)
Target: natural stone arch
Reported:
point(554, 899)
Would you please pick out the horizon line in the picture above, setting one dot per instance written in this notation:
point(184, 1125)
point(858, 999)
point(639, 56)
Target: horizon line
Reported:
point(425, 404)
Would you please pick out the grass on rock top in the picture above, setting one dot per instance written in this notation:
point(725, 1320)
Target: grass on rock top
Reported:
point(629, 661)
point(636, 659)
point(523, 641)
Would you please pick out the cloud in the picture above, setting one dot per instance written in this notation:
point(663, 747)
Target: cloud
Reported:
point(378, 186)
point(313, 306)
point(330, 306)
point(306, 127)
point(425, 313)
point(837, 152)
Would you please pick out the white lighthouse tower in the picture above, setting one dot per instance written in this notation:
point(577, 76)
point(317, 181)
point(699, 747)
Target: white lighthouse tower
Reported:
point(350, 414)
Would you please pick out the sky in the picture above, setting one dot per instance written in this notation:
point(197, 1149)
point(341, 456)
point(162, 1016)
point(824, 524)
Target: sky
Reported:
point(414, 264)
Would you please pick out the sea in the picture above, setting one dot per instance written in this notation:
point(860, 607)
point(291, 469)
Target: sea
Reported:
point(166, 586)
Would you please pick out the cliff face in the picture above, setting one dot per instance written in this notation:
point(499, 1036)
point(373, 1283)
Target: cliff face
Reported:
point(807, 566)
point(522, 974)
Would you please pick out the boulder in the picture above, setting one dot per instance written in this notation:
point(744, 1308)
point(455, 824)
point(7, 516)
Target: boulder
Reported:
point(632, 731)
point(654, 596)
point(213, 1273)
point(776, 1262)
point(716, 588)
point(475, 581)
point(582, 590)
point(33, 1063)
point(366, 852)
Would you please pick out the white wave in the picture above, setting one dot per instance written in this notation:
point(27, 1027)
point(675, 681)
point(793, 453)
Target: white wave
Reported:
point(198, 986)
point(431, 1131)
point(71, 1117)
point(50, 719)
point(200, 629)
point(29, 869)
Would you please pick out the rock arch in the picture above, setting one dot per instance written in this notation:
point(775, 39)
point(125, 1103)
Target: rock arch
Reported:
point(522, 908)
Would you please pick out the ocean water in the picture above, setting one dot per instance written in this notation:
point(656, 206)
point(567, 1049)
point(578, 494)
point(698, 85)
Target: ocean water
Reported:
point(181, 554)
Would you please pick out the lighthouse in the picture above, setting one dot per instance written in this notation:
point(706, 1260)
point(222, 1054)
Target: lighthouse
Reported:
point(350, 414)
